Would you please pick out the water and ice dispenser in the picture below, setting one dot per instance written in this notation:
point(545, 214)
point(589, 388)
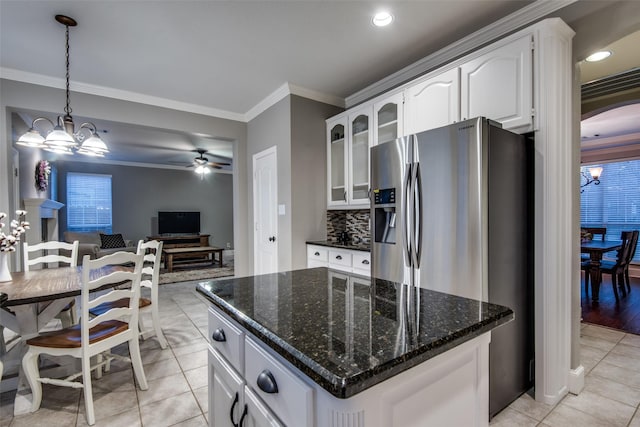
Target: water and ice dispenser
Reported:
point(384, 201)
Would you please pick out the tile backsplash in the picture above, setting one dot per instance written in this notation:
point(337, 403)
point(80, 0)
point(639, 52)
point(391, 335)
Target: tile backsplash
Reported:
point(354, 222)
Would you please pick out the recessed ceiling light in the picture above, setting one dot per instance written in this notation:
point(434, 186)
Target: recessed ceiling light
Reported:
point(382, 19)
point(598, 56)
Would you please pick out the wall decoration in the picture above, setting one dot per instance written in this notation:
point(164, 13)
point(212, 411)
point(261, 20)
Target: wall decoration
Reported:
point(43, 170)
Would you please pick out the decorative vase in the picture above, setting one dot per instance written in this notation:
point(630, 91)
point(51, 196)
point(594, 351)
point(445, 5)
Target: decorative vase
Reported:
point(5, 274)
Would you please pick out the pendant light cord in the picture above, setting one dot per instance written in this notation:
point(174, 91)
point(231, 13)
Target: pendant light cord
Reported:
point(67, 109)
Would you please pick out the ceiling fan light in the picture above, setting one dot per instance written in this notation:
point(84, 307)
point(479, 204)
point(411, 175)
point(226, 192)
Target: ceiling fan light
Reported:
point(31, 138)
point(202, 170)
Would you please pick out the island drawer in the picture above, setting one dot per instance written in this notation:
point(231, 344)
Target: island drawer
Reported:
point(291, 399)
point(227, 339)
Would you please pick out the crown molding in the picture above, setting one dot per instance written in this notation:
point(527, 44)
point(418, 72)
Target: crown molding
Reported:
point(473, 41)
point(290, 89)
point(42, 80)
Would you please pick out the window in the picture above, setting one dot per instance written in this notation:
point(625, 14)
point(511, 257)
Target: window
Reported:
point(615, 202)
point(88, 202)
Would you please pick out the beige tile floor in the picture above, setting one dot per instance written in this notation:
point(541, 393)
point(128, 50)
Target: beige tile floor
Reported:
point(177, 379)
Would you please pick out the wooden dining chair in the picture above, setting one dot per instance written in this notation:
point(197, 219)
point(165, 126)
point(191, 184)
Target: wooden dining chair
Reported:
point(599, 232)
point(615, 268)
point(632, 253)
point(94, 336)
point(46, 253)
point(152, 252)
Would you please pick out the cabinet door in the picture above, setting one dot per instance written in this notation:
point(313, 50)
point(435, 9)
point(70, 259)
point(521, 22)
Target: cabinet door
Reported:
point(337, 162)
point(499, 86)
point(225, 392)
point(433, 102)
point(257, 414)
point(359, 145)
point(388, 119)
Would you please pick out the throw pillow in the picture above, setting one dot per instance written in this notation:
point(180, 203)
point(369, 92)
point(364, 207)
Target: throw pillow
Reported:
point(110, 241)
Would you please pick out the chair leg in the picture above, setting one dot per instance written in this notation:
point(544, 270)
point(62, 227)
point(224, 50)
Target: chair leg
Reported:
point(31, 372)
point(156, 325)
point(621, 284)
point(615, 286)
point(626, 280)
point(88, 391)
point(136, 361)
point(587, 274)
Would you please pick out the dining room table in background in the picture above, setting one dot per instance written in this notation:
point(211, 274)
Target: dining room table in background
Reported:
point(34, 298)
point(596, 249)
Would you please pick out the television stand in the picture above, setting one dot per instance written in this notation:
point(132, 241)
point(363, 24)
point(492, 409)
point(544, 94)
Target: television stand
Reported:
point(182, 241)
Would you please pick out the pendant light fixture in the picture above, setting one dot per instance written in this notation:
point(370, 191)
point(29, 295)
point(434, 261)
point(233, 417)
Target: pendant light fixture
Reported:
point(64, 138)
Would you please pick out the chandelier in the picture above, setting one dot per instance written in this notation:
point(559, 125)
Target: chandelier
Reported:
point(593, 177)
point(63, 137)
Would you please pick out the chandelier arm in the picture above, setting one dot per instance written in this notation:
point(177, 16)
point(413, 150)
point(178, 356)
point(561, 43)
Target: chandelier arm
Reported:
point(37, 119)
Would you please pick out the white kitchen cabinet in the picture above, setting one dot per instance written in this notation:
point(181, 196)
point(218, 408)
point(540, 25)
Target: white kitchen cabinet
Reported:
point(351, 261)
point(337, 161)
point(257, 414)
point(433, 102)
point(359, 144)
point(226, 392)
point(499, 85)
point(388, 118)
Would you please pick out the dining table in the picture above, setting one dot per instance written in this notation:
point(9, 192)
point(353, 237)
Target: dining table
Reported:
point(596, 249)
point(33, 299)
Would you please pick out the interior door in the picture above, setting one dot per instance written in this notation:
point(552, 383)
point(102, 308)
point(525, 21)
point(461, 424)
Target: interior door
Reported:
point(265, 211)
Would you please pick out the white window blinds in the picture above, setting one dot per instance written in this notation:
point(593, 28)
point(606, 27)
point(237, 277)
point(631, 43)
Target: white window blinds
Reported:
point(88, 202)
point(615, 202)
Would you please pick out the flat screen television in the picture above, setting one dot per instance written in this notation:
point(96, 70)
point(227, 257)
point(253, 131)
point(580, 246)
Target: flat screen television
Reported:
point(179, 222)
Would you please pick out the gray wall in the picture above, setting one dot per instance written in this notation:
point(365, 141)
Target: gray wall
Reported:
point(309, 174)
point(296, 126)
point(138, 193)
point(17, 95)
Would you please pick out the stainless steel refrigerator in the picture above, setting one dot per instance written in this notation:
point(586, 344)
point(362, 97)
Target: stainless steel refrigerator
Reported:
point(451, 210)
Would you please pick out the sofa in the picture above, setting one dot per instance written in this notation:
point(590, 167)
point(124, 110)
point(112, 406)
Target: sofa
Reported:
point(97, 244)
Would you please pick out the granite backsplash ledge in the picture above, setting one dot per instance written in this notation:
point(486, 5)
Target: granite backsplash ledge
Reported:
point(355, 222)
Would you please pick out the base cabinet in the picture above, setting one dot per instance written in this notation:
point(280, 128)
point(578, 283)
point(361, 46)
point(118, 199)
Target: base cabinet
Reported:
point(351, 261)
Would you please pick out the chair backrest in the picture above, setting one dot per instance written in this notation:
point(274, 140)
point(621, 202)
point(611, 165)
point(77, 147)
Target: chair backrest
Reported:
point(596, 231)
point(28, 249)
point(632, 246)
point(625, 249)
point(152, 251)
point(108, 272)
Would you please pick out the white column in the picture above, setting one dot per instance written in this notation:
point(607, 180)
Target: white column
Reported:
point(553, 207)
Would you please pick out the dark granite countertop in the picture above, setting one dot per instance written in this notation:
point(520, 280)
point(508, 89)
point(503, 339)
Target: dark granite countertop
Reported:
point(348, 332)
point(358, 246)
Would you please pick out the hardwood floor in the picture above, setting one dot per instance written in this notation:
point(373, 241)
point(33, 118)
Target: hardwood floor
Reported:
point(624, 315)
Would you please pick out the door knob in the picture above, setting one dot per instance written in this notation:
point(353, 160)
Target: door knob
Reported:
point(272, 238)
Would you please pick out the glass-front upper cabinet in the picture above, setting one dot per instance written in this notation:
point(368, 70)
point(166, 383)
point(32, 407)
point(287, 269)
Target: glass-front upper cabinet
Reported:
point(359, 146)
point(388, 119)
point(337, 162)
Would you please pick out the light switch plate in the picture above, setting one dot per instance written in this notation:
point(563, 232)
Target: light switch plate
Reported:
point(281, 210)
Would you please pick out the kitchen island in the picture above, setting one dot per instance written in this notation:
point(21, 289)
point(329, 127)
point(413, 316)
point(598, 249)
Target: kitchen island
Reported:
point(319, 347)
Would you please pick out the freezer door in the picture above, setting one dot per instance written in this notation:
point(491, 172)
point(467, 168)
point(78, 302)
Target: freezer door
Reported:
point(389, 250)
point(451, 218)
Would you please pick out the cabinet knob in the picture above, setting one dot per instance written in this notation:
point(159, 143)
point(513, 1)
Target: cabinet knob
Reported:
point(233, 405)
point(218, 335)
point(266, 382)
point(338, 257)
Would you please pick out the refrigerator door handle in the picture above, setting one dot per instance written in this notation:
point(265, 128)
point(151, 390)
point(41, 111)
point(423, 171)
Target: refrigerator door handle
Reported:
point(407, 214)
point(417, 212)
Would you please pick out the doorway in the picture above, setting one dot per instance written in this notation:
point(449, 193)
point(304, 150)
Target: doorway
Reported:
point(265, 211)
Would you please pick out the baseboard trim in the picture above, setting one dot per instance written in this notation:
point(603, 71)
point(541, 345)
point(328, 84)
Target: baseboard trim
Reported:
point(576, 380)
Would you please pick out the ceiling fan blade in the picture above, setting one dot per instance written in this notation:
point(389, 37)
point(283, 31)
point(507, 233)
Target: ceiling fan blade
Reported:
point(214, 164)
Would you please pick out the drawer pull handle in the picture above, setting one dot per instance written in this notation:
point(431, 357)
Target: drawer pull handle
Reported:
point(317, 254)
point(365, 262)
point(338, 257)
point(218, 335)
point(267, 383)
point(244, 414)
point(235, 402)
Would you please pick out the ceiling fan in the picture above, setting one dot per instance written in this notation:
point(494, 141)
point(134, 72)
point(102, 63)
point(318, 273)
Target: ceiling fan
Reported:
point(202, 162)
